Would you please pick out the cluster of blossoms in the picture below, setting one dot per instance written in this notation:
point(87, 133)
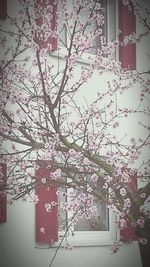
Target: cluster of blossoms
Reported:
point(72, 152)
point(5, 128)
point(122, 224)
point(82, 205)
point(72, 61)
point(86, 74)
point(123, 192)
point(42, 230)
point(115, 247)
point(35, 199)
point(94, 178)
point(66, 206)
point(56, 175)
point(84, 42)
point(108, 181)
point(132, 38)
point(49, 206)
point(141, 222)
point(41, 20)
point(93, 144)
point(113, 208)
point(127, 204)
point(87, 207)
point(50, 148)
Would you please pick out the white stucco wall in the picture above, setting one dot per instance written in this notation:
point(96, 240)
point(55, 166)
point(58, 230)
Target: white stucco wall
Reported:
point(17, 246)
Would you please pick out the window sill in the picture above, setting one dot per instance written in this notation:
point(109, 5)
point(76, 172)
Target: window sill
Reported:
point(86, 58)
point(87, 239)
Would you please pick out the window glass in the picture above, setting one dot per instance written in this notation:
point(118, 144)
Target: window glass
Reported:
point(105, 23)
point(95, 223)
point(88, 213)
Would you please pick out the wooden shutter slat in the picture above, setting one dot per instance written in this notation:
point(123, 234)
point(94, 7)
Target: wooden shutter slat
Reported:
point(127, 25)
point(46, 223)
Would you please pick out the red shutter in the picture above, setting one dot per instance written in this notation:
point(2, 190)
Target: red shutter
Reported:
point(51, 40)
point(46, 222)
point(127, 25)
point(3, 204)
point(128, 233)
point(3, 9)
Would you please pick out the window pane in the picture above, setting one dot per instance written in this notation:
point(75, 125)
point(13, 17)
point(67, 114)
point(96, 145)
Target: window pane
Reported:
point(95, 223)
point(99, 220)
point(95, 24)
point(89, 213)
point(84, 15)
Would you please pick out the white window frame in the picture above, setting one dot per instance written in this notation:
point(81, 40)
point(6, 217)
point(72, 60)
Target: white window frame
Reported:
point(95, 238)
point(111, 32)
point(89, 238)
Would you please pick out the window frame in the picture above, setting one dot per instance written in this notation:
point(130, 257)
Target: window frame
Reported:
point(89, 238)
point(95, 238)
point(85, 238)
point(111, 13)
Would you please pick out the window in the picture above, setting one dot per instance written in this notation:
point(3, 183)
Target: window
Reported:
point(52, 219)
point(111, 19)
point(56, 223)
point(104, 23)
point(98, 229)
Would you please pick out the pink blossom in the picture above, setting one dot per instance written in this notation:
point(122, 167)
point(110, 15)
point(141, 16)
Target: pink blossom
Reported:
point(36, 199)
point(140, 222)
point(56, 174)
point(43, 180)
point(122, 224)
point(94, 178)
point(127, 203)
point(53, 203)
point(48, 207)
point(105, 186)
point(116, 124)
point(123, 192)
point(115, 247)
point(143, 195)
point(72, 152)
point(42, 230)
point(86, 161)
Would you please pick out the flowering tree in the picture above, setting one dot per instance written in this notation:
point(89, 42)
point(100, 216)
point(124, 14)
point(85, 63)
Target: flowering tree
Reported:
point(46, 116)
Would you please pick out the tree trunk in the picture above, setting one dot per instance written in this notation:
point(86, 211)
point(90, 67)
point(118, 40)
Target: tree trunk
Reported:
point(144, 234)
point(145, 254)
